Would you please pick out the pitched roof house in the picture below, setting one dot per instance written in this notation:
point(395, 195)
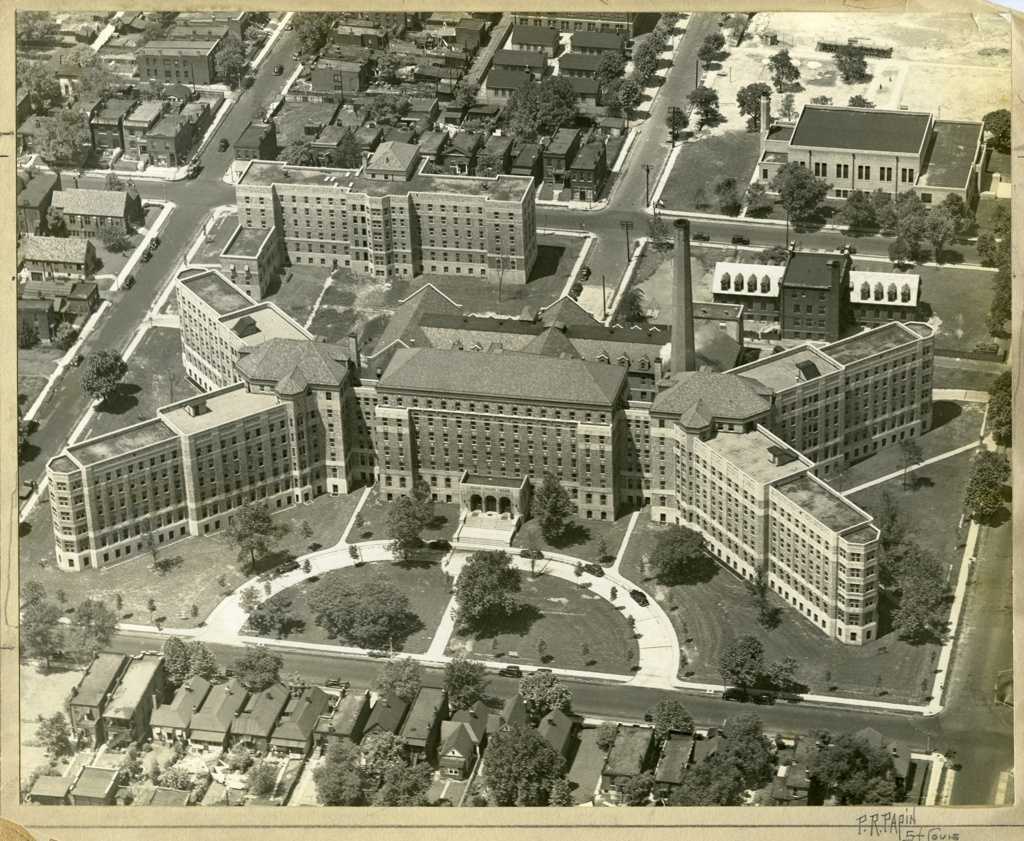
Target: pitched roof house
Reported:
point(172, 720)
point(294, 732)
point(211, 724)
point(257, 719)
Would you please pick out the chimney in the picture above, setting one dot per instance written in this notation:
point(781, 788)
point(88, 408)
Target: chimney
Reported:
point(683, 355)
point(766, 113)
point(353, 342)
point(657, 370)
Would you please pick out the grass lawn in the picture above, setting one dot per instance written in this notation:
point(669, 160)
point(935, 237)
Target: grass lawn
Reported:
point(701, 163)
point(653, 277)
point(43, 693)
point(374, 521)
point(155, 378)
point(194, 581)
point(337, 316)
point(954, 424)
point(565, 617)
point(297, 288)
point(951, 373)
point(713, 611)
point(587, 765)
point(581, 539)
point(984, 215)
point(35, 365)
point(425, 585)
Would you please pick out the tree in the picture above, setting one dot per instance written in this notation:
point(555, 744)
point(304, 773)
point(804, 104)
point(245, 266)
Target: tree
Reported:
point(485, 589)
point(1000, 409)
point(114, 240)
point(784, 72)
point(709, 49)
point(56, 224)
point(848, 765)
point(103, 373)
point(552, 506)
point(28, 335)
point(32, 592)
point(859, 212)
point(35, 27)
point(757, 199)
point(670, 715)
point(859, 101)
point(489, 164)
point(271, 618)
point(201, 662)
point(984, 494)
point(767, 613)
point(465, 94)
point(749, 100)
point(402, 785)
point(607, 733)
point(371, 613)
point(542, 693)
point(782, 674)
point(95, 79)
point(347, 154)
point(921, 614)
point(910, 454)
point(821, 100)
point(400, 678)
point(728, 196)
point(556, 104)
point(62, 139)
point(712, 782)
point(176, 660)
point(262, 779)
point(788, 109)
point(742, 661)
point(645, 61)
point(747, 749)
point(522, 767)
point(939, 228)
point(258, 668)
point(677, 121)
point(380, 751)
point(254, 532)
point(637, 791)
point(463, 681)
point(851, 65)
point(312, 30)
point(561, 793)
point(705, 103)
point(388, 64)
point(958, 211)
point(157, 25)
point(300, 152)
point(249, 599)
point(91, 628)
point(337, 779)
point(38, 81)
point(800, 192)
point(899, 251)
point(612, 66)
point(238, 758)
point(677, 554)
point(229, 60)
point(407, 516)
point(658, 232)
point(40, 632)
point(997, 126)
point(629, 95)
point(65, 336)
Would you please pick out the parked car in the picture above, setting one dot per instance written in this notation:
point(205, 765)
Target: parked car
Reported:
point(278, 69)
point(223, 144)
point(585, 273)
point(335, 682)
point(78, 360)
point(543, 670)
point(702, 236)
point(594, 569)
point(129, 281)
point(511, 671)
point(764, 698)
point(534, 554)
point(147, 255)
point(739, 239)
point(287, 566)
point(439, 544)
point(640, 597)
point(154, 243)
point(735, 695)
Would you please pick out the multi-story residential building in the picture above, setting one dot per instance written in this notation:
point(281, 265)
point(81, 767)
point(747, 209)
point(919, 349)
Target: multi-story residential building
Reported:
point(169, 141)
point(107, 124)
point(35, 192)
point(539, 39)
point(389, 220)
point(235, 21)
point(340, 76)
point(560, 153)
point(138, 691)
point(89, 698)
point(138, 124)
point(479, 408)
point(88, 213)
point(870, 149)
point(623, 23)
point(588, 172)
point(257, 142)
point(190, 61)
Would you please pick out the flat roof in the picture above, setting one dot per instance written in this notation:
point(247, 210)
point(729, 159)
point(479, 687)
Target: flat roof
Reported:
point(782, 370)
point(822, 503)
point(752, 454)
point(132, 687)
point(562, 141)
point(269, 323)
point(866, 129)
point(951, 153)
point(146, 112)
point(498, 188)
point(870, 342)
point(703, 310)
point(216, 291)
point(95, 782)
point(122, 441)
point(245, 242)
point(225, 406)
point(782, 132)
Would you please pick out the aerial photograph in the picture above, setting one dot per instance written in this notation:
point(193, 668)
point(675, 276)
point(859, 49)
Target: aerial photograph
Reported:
point(579, 409)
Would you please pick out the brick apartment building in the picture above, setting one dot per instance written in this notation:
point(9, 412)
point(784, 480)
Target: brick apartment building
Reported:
point(188, 62)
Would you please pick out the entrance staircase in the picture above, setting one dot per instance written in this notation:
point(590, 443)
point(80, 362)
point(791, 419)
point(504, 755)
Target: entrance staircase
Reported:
point(491, 530)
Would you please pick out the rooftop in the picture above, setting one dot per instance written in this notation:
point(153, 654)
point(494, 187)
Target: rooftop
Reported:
point(864, 129)
point(536, 35)
point(36, 187)
point(507, 80)
point(583, 85)
point(215, 290)
point(757, 455)
point(627, 755)
point(781, 131)
point(387, 714)
point(179, 48)
point(504, 375)
point(51, 786)
point(53, 249)
point(133, 686)
point(882, 286)
point(95, 782)
point(421, 718)
point(169, 125)
point(160, 796)
point(178, 713)
point(98, 678)
point(393, 157)
point(821, 502)
point(263, 322)
point(298, 361)
point(587, 159)
point(814, 269)
point(114, 110)
point(781, 370)
point(219, 708)
point(562, 141)
point(216, 408)
point(246, 242)
point(345, 718)
point(725, 396)
point(600, 40)
point(675, 755)
point(870, 342)
point(580, 61)
point(146, 112)
point(522, 58)
point(122, 441)
point(261, 712)
point(728, 272)
point(91, 202)
point(301, 715)
point(951, 153)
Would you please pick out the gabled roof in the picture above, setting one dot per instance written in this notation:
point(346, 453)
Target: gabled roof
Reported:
point(53, 249)
point(219, 708)
point(567, 311)
point(579, 61)
point(301, 715)
point(507, 80)
point(456, 736)
point(867, 129)
point(696, 417)
point(556, 729)
point(92, 202)
point(392, 156)
point(584, 85)
point(534, 35)
point(475, 720)
point(290, 362)
point(178, 713)
point(629, 752)
point(520, 58)
point(552, 342)
point(387, 714)
point(726, 396)
point(466, 143)
point(425, 711)
point(346, 716)
point(597, 40)
point(513, 712)
point(675, 754)
point(261, 712)
point(428, 298)
point(36, 185)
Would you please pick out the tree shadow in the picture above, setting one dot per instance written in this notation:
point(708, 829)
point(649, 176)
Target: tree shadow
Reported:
point(918, 482)
point(701, 571)
point(28, 452)
point(574, 534)
point(122, 400)
point(24, 529)
point(1000, 517)
point(517, 624)
point(887, 603)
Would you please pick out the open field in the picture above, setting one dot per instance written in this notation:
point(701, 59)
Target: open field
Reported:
point(703, 162)
point(43, 693)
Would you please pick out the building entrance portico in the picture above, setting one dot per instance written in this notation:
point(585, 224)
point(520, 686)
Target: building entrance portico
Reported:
point(491, 508)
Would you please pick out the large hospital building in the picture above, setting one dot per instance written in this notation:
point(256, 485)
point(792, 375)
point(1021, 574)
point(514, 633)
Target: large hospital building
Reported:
point(481, 407)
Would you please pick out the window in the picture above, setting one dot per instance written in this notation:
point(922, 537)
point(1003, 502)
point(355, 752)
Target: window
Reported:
point(864, 172)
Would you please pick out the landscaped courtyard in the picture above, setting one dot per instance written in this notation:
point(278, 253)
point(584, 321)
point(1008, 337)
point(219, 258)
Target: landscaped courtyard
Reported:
point(206, 561)
point(423, 582)
point(373, 523)
point(579, 630)
point(582, 538)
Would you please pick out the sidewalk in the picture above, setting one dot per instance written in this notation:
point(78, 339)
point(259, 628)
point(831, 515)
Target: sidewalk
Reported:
point(896, 474)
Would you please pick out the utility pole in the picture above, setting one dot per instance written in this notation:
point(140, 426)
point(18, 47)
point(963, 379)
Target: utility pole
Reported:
point(604, 300)
point(647, 188)
point(627, 227)
point(696, 73)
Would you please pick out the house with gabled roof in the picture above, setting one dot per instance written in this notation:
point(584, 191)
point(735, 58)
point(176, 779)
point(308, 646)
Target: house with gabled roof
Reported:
point(170, 722)
point(458, 751)
point(345, 722)
point(211, 723)
point(258, 717)
point(631, 755)
point(422, 727)
point(512, 714)
point(672, 764)
point(89, 698)
point(88, 213)
point(459, 155)
point(559, 731)
point(294, 733)
point(386, 716)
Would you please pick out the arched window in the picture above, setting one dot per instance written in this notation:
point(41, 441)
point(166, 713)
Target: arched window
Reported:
point(737, 284)
point(905, 293)
point(879, 292)
point(865, 291)
point(751, 284)
point(726, 280)
point(891, 292)
point(766, 283)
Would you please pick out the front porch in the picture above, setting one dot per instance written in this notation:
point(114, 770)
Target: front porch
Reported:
point(491, 509)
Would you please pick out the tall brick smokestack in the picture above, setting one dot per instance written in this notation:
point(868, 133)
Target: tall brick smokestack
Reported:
point(683, 356)
point(766, 115)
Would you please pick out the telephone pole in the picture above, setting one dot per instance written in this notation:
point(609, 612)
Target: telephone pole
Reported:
point(627, 227)
point(647, 189)
point(604, 300)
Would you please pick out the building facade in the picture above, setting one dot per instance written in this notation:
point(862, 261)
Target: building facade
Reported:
point(187, 62)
